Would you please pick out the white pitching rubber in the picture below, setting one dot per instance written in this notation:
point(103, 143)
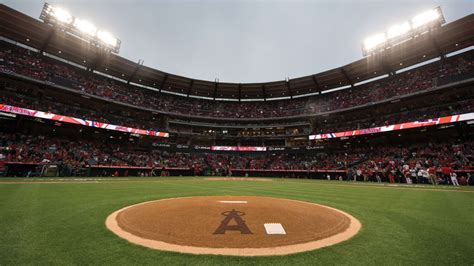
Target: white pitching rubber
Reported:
point(274, 229)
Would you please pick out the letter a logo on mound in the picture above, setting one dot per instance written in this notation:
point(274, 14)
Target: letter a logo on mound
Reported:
point(240, 224)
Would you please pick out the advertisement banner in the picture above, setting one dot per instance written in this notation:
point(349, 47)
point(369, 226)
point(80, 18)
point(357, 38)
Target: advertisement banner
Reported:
point(402, 126)
point(237, 148)
point(78, 121)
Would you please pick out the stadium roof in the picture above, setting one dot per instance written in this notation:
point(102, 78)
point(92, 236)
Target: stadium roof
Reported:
point(24, 29)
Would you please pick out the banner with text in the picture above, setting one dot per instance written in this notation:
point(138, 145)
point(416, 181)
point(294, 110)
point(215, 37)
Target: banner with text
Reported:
point(78, 121)
point(407, 125)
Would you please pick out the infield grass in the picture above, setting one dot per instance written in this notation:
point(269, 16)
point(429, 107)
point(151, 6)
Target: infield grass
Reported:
point(62, 223)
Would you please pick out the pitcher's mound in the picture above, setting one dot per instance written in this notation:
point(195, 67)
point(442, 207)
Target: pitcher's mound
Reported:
point(232, 225)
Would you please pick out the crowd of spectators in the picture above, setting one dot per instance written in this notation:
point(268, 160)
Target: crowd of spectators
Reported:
point(432, 163)
point(27, 98)
point(401, 84)
point(30, 100)
point(42, 150)
point(25, 62)
point(364, 163)
point(418, 114)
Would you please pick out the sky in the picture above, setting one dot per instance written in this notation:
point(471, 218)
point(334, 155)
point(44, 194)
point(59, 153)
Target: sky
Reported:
point(244, 41)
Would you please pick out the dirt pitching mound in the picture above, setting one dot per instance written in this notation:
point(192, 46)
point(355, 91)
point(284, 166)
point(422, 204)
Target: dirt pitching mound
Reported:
point(232, 225)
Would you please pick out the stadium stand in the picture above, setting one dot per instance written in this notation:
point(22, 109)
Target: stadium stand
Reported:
point(31, 64)
point(201, 134)
point(76, 156)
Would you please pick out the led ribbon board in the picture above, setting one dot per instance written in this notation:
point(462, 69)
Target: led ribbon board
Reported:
point(237, 148)
point(78, 121)
point(407, 125)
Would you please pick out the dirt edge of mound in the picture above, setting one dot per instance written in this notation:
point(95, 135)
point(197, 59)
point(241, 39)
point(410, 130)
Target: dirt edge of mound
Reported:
point(354, 227)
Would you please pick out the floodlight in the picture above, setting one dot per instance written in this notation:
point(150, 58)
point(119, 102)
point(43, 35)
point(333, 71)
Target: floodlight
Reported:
point(425, 18)
point(60, 14)
point(397, 34)
point(80, 28)
point(85, 26)
point(398, 30)
point(107, 38)
point(374, 41)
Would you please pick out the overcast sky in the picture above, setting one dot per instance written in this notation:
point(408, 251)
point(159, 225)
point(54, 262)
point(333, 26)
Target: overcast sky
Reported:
point(244, 41)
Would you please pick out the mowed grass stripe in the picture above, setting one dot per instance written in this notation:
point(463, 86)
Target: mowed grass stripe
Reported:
point(442, 188)
point(63, 224)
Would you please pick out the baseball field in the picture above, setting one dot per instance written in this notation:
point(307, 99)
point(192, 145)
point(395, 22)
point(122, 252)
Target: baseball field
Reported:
point(62, 221)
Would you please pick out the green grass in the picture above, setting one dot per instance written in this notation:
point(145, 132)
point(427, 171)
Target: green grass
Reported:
point(63, 223)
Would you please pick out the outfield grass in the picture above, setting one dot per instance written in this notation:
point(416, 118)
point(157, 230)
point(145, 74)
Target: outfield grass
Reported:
point(63, 223)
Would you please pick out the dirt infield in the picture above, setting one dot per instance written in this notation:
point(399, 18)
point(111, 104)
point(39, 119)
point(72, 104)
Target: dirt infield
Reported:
point(232, 225)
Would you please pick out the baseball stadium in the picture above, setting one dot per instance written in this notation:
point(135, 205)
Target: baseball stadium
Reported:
point(105, 160)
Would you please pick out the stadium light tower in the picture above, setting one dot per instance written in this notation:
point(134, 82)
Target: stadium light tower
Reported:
point(83, 29)
point(405, 31)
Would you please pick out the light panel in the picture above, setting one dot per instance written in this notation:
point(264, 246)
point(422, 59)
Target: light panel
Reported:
point(81, 28)
point(374, 41)
point(400, 33)
point(85, 27)
point(425, 18)
point(107, 38)
point(60, 14)
point(398, 30)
